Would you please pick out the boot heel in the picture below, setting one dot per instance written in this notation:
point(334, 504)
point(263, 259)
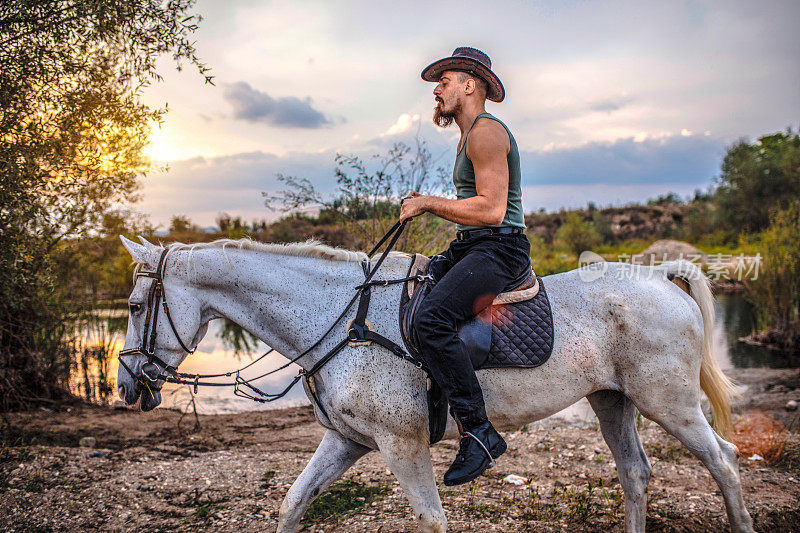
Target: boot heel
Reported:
point(498, 449)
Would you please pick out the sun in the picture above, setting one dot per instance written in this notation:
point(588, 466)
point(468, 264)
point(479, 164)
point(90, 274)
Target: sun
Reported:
point(163, 146)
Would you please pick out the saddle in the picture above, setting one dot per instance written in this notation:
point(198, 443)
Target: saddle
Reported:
point(516, 330)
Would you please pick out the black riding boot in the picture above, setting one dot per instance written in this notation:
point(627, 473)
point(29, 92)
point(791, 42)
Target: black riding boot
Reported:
point(480, 445)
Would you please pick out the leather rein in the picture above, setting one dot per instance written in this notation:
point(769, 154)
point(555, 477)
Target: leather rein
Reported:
point(155, 369)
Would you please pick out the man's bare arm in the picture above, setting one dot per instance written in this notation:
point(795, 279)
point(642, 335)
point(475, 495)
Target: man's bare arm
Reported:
point(487, 148)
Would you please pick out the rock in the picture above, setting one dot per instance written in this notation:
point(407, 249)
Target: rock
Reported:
point(791, 405)
point(119, 405)
point(87, 442)
point(669, 250)
point(755, 457)
point(515, 479)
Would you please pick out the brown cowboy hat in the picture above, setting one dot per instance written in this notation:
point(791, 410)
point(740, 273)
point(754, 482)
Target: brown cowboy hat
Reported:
point(471, 61)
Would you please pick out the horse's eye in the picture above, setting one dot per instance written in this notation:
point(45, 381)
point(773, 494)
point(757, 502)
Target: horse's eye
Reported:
point(134, 308)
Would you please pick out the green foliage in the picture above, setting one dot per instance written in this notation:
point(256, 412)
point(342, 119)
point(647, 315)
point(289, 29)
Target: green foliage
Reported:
point(669, 198)
point(70, 152)
point(700, 218)
point(757, 179)
point(343, 499)
point(603, 227)
point(367, 202)
point(98, 267)
point(594, 506)
point(204, 504)
point(776, 291)
point(237, 339)
point(550, 258)
point(235, 227)
point(577, 234)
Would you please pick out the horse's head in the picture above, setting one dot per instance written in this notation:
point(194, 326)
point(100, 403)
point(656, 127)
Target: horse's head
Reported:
point(165, 323)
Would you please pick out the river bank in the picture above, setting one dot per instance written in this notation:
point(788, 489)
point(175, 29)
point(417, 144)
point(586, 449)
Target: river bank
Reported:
point(156, 471)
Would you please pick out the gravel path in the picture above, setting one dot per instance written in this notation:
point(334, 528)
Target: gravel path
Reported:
point(153, 471)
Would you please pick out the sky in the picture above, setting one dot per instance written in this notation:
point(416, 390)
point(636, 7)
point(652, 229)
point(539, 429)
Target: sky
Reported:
point(609, 102)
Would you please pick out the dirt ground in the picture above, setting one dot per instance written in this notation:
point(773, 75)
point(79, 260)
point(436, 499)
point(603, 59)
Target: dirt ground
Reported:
point(154, 471)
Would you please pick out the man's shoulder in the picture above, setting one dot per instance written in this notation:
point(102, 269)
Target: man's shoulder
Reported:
point(488, 133)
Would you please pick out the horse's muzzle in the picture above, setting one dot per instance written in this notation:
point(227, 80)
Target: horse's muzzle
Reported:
point(138, 397)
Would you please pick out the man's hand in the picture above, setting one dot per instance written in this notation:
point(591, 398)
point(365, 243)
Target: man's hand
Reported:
point(414, 204)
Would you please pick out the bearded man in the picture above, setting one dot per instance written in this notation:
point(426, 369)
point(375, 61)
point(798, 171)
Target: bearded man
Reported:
point(490, 251)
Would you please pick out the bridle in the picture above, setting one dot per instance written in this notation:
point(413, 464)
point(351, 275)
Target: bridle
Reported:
point(150, 373)
point(155, 369)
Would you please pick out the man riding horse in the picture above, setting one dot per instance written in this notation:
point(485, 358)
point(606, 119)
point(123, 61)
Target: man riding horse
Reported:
point(490, 250)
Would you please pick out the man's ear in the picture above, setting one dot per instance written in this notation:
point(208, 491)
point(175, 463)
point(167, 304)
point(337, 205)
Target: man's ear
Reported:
point(141, 253)
point(470, 87)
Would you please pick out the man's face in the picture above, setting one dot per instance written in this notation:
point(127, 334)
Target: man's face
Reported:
point(448, 94)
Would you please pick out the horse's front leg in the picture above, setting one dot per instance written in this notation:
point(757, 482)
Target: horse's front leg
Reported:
point(334, 455)
point(409, 459)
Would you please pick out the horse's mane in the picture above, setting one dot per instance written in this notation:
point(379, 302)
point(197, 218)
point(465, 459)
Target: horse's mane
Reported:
point(310, 248)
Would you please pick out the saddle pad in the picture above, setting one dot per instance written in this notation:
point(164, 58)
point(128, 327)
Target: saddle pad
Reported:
point(522, 333)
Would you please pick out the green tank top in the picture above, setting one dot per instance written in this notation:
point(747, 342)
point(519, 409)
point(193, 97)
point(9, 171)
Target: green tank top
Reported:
point(464, 179)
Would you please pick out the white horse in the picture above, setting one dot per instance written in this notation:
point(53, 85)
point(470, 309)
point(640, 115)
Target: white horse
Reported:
point(622, 341)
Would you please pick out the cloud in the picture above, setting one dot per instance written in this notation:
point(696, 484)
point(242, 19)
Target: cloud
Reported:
point(611, 104)
point(202, 187)
point(669, 160)
point(403, 124)
point(252, 105)
point(631, 169)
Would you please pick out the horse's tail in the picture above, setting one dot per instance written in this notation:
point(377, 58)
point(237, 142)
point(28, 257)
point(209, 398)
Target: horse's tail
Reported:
point(716, 385)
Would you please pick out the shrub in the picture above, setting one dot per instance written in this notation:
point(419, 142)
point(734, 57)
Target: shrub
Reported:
point(776, 291)
point(577, 234)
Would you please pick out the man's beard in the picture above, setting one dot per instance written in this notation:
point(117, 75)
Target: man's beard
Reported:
point(443, 120)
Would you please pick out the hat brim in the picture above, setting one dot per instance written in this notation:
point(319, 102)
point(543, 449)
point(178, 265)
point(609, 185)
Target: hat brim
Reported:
point(496, 92)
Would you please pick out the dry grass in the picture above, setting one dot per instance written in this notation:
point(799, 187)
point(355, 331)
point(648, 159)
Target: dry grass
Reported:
point(757, 432)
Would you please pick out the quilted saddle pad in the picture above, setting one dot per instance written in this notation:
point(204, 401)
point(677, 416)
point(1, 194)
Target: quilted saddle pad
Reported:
point(521, 333)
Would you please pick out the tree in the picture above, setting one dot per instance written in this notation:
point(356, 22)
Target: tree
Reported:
point(368, 199)
point(757, 179)
point(73, 128)
point(180, 224)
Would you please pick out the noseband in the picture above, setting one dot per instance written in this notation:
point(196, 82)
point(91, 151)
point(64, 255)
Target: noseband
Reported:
point(151, 371)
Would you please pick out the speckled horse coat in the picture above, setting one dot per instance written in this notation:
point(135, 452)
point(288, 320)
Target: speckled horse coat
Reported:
point(622, 340)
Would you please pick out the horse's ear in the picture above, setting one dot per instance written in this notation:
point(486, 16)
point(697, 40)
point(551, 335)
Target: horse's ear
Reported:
point(140, 253)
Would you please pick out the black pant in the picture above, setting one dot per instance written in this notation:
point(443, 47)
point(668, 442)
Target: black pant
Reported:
point(474, 272)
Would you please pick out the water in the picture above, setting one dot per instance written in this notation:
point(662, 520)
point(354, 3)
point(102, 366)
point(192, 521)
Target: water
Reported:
point(226, 347)
point(735, 319)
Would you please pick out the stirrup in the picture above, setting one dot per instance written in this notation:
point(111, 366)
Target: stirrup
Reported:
point(485, 449)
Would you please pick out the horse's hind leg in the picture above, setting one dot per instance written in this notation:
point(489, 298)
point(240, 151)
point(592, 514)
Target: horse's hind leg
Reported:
point(410, 462)
point(616, 413)
point(686, 422)
point(334, 455)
